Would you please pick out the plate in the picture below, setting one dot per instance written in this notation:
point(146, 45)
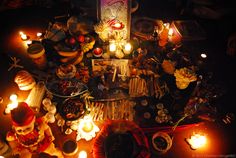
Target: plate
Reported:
point(72, 109)
point(66, 88)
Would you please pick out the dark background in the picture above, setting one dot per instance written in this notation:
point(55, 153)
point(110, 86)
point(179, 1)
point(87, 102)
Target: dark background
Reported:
point(218, 21)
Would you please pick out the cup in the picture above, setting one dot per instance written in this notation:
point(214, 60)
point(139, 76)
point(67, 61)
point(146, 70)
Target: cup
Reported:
point(37, 54)
point(70, 148)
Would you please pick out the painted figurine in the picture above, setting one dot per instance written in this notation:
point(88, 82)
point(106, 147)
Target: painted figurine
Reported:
point(29, 134)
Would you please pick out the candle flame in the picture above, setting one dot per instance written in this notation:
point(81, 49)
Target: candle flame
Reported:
point(39, 34)
point(117, 25)
point(203, 55)
point(197, 141)
point(23, 36)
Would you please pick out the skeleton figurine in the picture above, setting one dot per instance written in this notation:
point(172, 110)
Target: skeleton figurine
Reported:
point(30, 134)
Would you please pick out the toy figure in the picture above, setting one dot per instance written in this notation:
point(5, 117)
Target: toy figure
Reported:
point(30, 134)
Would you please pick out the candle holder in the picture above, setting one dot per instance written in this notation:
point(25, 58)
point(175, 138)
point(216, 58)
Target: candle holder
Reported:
point(97, 52)
point(86, 129)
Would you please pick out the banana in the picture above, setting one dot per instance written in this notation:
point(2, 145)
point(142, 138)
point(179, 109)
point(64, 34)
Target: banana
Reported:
point(78, 58)
point(67, 59)
point(68, 54)
point(85, 47)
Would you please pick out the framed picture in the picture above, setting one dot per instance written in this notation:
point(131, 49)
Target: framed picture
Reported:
point(120, 10)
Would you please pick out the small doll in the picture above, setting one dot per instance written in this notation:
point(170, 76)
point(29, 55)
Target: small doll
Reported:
point(29, 134)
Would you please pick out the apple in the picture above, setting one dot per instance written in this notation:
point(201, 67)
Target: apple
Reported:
point(81, 38)
point(72, 40)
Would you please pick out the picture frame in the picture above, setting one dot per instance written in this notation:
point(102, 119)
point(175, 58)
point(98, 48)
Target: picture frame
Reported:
point(115, 9)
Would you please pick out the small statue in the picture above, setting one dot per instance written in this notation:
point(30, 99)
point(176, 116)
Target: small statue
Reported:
point(30, 134)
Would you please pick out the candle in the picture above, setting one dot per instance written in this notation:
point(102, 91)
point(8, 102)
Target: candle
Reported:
point(176, 37)
point(196, 141)
point(166, 25)
point(112, 47)
point(170, 32)
point(82, 154)
point(23, 36)
point(39, 34)
point(88, 126)
point(13, 104)
point(13, 97)
point(86, 129)
point(127, 48)
point(117, 26)
point(97, 52)
point(203, 55)
point(29, 42)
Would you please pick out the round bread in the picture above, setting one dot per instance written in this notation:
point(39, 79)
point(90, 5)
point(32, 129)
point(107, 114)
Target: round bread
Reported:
point(24, 80)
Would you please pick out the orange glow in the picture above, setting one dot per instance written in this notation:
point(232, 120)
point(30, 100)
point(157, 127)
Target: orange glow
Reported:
point(197, 141)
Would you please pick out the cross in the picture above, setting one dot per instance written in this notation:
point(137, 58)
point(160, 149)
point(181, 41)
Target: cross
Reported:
point(14, 64)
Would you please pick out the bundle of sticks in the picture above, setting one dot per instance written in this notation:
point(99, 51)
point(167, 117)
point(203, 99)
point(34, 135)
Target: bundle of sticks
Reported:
point(138, 87)
point(156, 88)
point(112, 110)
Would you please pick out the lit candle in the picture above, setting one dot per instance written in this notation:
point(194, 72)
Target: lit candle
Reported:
point(13, 97)
point(112, 47)
point(127, 48)
point(196, 141)
point(170, 32)
point(166, 25)
point(13, 104)
point(82, 154)
point(117, 26)
point(176, 37)
point(203, 55)
point(39, 34)
point(88, 126)
point(29, 42)
point(86, 129)
point(23, 36)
